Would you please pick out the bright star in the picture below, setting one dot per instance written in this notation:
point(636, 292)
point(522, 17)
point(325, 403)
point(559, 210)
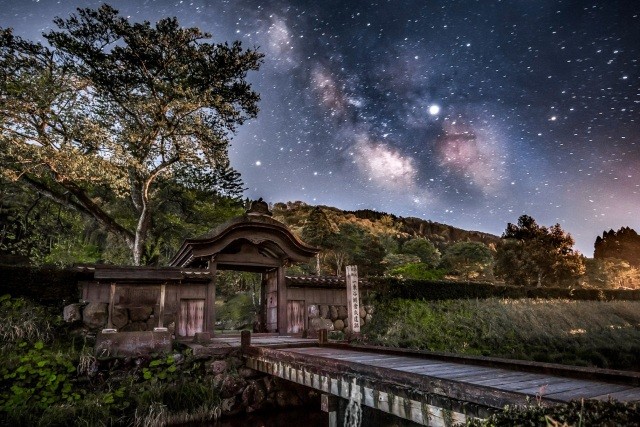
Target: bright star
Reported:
point(434, 109)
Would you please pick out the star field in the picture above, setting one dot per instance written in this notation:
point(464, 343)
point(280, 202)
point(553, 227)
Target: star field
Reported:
point(469, 113)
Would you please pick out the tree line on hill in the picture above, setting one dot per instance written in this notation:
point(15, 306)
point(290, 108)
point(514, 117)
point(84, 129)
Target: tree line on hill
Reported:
point(526, 253)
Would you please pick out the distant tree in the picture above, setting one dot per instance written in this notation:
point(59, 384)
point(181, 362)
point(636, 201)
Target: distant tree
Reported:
point(111, 107)
point(623, 244)
point(320, 232)
point(355, 245)
point(423, 249)
point(533, 254)
point(468, 259)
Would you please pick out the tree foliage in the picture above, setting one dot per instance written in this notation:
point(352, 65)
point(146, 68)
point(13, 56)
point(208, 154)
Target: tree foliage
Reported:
point(623, 244)
point(533, 254)
point(468, 259)
point(423, 249)
point(109, 108)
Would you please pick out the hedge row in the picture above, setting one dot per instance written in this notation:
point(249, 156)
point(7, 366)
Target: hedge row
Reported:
point(47, 285)
point(390, 287)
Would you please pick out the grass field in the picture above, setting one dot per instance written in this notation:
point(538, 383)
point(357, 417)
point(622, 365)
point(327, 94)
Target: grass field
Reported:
point(586, 333)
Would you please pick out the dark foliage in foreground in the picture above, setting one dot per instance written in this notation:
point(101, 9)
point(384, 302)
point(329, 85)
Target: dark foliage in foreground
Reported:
point(576, 413)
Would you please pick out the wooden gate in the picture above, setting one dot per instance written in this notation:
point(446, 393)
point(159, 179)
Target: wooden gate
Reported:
point(295, 316)
point(191, 317)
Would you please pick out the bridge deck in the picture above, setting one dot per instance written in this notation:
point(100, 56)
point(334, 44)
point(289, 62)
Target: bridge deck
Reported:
point(433, 388)
point(536, 385)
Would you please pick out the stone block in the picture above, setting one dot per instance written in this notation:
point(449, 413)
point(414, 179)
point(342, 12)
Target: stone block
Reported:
point(342, 312)
point(320, 323)
point(95, 315)
point(72, 313)
point(217, 367)
point(119, 317)
point(140, 314)
point(362, 312)
point(314, 311)
point(338, 325)
point(202, 337)
point(132, 344)
point(333, 312)
point(134, 327)
point(324, 311)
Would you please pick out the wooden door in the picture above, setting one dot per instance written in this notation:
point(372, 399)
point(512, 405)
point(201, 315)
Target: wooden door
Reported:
point(270, 282)
point(295, 316)
point(191, 317)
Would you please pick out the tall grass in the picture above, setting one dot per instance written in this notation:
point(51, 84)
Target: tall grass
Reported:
point(589, 333)
point(24, 321)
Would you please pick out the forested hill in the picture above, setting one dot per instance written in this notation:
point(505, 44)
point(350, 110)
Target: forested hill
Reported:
point(297, 214)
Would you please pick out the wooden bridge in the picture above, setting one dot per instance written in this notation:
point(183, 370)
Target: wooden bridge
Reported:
point(430, 388)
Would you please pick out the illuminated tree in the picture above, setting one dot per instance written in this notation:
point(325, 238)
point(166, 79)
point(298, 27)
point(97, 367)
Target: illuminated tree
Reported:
point(533, 254)
point(111, 107)
point(468, 259)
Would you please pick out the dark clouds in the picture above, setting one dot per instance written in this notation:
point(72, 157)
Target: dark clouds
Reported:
point(469, 113)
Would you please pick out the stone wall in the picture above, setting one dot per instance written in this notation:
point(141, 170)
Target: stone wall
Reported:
point(245, 390)
point(94, 317)
point(334, 317)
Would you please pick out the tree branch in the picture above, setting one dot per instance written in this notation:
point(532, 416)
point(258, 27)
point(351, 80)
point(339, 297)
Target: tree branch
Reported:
point(83, 205)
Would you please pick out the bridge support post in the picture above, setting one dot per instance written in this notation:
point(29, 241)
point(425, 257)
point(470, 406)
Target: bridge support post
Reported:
point(323, 336)
point(335, 407)
point(245, 340)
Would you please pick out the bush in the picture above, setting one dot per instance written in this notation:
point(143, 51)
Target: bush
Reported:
point(575, 413)
point(417, 271)
point(386, 288)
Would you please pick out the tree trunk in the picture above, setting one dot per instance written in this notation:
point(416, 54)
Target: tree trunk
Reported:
point(142, 230)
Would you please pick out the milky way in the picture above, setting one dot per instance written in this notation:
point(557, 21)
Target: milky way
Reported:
point(462, 112)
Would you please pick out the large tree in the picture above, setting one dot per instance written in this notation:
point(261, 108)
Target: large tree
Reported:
point(110, 107)
point(533, 254)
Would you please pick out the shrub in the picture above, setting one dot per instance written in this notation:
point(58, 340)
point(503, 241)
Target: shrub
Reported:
point(575, 413)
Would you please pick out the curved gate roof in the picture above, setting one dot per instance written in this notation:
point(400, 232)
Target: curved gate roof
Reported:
point(252, 242)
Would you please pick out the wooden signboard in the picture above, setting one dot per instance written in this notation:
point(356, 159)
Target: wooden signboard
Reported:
point(353, 299)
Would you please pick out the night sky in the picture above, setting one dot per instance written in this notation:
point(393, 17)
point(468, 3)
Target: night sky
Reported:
point(469, 113)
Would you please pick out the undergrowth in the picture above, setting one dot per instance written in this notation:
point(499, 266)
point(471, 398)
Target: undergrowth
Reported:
point(47, 379)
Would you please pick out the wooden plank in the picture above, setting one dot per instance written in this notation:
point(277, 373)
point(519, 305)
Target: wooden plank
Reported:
point(592, 390)
point(536, 383)
point(440, 367)
point(500, 379)
point(449, 373)
point(551, 389)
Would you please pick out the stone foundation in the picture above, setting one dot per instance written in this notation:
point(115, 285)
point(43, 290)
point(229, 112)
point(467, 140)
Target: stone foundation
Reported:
point(334, 317)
